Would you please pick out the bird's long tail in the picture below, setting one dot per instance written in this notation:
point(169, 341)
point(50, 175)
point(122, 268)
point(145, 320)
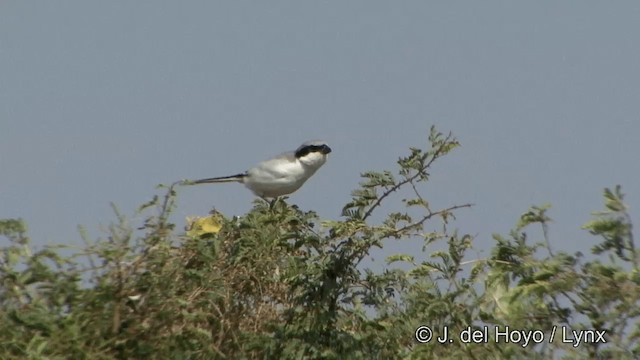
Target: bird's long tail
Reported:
point(222, 179)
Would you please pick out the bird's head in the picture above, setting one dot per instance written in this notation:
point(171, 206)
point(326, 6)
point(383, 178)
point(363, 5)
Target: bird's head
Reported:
point(313, 153)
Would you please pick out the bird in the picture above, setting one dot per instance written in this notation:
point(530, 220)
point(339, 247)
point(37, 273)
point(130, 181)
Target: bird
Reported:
point(280, 175)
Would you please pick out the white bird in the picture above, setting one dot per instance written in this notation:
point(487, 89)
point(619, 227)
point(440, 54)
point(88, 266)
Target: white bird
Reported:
point(281, 175)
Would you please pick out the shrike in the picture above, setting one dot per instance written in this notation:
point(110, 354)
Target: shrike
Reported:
point(281, 175)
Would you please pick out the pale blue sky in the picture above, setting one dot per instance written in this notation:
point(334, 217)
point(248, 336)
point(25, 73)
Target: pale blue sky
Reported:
point(102, 100)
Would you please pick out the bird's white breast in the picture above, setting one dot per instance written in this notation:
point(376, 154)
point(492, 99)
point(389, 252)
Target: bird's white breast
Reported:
point(282, 175)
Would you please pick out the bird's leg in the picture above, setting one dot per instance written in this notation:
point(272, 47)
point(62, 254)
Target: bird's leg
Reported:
point(273, 203)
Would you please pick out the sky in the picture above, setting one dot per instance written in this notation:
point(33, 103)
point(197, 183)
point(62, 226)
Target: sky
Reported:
point(100, 101)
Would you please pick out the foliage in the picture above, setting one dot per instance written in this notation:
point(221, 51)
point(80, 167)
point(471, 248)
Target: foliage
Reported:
point(279, 283)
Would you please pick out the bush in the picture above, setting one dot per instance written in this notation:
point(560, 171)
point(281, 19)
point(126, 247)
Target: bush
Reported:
point(278, 283)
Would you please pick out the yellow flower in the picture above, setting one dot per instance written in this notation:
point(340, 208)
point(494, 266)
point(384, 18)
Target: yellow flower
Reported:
point(198, 226)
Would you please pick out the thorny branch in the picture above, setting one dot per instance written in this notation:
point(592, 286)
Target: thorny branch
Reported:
point(410, 179)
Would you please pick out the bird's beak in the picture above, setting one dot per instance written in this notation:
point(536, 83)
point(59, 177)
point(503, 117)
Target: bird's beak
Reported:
point(326, 149)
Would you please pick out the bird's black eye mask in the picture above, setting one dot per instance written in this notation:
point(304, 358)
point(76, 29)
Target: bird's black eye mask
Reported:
point(305, 150)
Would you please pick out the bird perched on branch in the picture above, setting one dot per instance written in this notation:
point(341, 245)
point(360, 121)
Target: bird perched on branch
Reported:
point(281, 175)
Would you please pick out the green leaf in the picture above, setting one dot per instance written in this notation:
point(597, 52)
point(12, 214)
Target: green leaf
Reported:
point(399, 257)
